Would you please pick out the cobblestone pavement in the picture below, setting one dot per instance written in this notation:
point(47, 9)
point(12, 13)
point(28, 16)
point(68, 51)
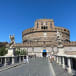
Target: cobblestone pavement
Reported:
point(59, 70)
point(35, 67)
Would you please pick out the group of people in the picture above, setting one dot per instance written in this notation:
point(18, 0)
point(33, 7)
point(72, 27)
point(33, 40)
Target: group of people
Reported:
point(26, 59)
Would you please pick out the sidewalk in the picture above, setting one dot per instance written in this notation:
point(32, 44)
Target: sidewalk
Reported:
point(9, 66)
point(59, 71)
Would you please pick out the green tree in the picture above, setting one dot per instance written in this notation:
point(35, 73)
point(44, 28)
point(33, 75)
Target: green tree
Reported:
point(17, 52)
point(3, 51)
point(23, 52)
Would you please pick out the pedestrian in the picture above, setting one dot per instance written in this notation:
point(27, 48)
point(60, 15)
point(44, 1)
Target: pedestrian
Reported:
point(50, 58)
point(27, 60)
point(24, 60)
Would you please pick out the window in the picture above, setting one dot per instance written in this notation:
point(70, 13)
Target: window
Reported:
point(50, 24)
point(64, 29)
point(41, 23)
point(44, 27)
point(37, 24)
point(46, 23)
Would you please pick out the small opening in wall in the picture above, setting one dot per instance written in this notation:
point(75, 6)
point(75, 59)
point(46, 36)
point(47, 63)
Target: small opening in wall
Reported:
point(64, 29)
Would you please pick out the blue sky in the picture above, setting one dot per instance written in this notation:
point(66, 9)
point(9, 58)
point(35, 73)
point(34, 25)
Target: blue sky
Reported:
point(18, 15)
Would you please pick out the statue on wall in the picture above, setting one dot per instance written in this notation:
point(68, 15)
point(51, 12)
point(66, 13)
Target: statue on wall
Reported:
point(59, 35)
point(59, 38)
point(12, 38)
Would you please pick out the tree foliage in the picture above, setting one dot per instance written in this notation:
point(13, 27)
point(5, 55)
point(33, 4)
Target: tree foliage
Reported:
point(3, 51)
point(23, 52)
point(19, 51)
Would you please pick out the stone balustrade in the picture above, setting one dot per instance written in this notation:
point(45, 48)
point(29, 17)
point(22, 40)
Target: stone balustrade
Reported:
point(67, 62)
point(4, 60)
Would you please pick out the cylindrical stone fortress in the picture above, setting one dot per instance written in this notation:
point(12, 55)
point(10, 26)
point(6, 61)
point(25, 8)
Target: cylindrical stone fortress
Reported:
point(44, 32)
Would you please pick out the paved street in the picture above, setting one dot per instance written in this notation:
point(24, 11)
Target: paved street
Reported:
point(36, 67)
point(59, 71)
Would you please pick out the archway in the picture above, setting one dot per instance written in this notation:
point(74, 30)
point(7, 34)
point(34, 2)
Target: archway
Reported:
point(44, 53)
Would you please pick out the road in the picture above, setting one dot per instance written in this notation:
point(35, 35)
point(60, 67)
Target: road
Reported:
point(35, 67)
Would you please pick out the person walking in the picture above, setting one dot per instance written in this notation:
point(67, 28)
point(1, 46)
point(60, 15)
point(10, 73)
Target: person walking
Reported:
point(27, 59)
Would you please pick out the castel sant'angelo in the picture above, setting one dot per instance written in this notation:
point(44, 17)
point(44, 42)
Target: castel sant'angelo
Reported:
point(43, 38)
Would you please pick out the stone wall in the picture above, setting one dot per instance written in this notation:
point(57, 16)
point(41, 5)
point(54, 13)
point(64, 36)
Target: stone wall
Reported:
point(38, 50)
point(71, 48)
